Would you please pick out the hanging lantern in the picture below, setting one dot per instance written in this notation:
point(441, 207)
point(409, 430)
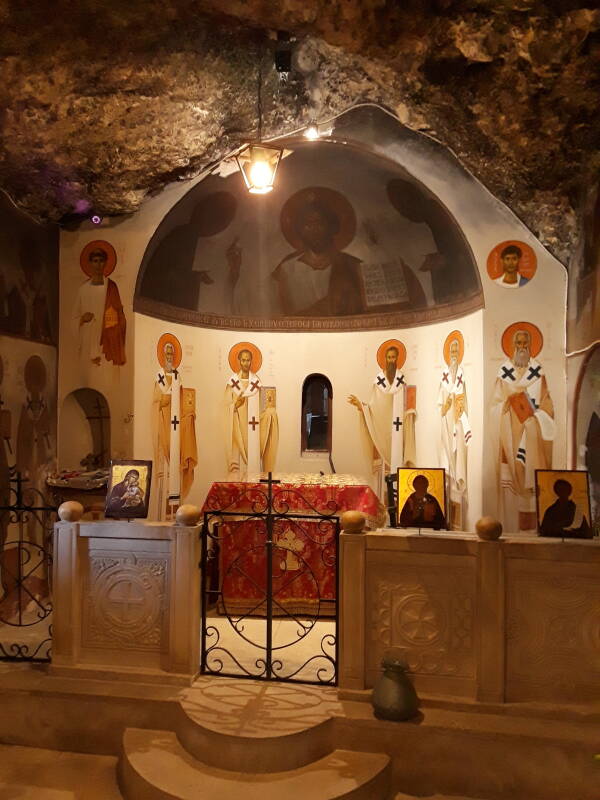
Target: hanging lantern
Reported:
point(258, 164)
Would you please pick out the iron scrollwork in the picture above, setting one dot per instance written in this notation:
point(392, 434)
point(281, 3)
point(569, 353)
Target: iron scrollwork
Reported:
point(260, 550)
point(26, 525)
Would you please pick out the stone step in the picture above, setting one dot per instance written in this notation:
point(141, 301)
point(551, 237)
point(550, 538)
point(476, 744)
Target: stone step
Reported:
point(256, 726)
point(154, 766)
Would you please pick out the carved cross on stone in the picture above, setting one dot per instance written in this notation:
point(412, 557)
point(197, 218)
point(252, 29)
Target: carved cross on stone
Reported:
point(253, 422)
point(123, 597)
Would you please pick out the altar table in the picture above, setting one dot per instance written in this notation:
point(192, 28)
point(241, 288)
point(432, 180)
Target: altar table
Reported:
point(304, 541)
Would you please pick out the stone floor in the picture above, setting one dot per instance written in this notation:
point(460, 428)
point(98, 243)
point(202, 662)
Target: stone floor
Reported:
point(300, 648)
point(29, 773)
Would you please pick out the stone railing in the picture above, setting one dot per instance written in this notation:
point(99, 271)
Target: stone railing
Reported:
point(509, 620)
point(126, 597)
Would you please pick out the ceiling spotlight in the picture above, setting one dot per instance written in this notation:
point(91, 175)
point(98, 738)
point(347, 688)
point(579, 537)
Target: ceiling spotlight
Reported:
point(96, 219)
point(312, 132)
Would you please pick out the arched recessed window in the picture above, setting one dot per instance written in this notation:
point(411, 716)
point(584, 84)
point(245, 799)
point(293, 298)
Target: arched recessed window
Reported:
point(84, 430)
point(316, 414)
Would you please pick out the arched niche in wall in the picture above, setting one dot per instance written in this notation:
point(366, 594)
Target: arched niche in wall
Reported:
point(348, 240)
point(84, 430)
point(316, 424)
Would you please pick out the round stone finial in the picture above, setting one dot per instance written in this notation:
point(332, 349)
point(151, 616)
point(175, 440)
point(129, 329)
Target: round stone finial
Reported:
point(488, 529)
point(187, 515)
point(353, 522)
point(70, 511)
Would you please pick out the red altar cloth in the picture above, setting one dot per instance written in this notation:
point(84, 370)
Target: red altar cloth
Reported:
point(304, 550)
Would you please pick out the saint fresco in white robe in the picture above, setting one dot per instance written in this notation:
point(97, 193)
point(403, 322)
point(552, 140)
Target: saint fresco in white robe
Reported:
point(173, 430)
point(251, 437)
point(522, 426)
point(98, 317)
point(388, 418)
point(455, 427)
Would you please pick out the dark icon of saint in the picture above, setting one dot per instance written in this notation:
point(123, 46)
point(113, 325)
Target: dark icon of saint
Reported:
point(421, 509)
point(563, 518)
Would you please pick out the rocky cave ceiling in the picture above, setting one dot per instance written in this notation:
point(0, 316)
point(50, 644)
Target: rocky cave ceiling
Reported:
point(105, 101)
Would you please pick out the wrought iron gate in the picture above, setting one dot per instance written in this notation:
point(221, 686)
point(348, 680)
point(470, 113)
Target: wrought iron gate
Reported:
point(26, 525)
point(270, 587)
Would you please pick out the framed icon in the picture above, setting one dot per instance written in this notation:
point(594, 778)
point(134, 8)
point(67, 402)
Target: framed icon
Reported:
point(563, 503)
point(422, 498)
point(128, 494)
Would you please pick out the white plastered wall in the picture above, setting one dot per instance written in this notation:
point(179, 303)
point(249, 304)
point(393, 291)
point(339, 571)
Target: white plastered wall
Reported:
point(348, 359)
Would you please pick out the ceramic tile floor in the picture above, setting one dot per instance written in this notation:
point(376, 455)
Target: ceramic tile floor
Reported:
point(304, 659)
point(30, 773)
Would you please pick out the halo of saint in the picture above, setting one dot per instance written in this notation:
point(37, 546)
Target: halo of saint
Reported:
point(234, 356)
point(390, 344)
point(338, 206)
point(455, 336)
point(512, 264)
point(176, 353)
point(536, 340)
point(98, 244)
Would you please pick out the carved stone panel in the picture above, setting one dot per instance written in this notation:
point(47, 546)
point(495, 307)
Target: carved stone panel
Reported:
point(423, 614)
point(553, 631)
point(126, 601)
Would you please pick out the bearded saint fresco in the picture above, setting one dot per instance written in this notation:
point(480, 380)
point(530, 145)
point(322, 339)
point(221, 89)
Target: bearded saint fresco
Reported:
point(455, 428)
point(173, 430)
point(251, 435)
point(522, 425)
point(388, 417)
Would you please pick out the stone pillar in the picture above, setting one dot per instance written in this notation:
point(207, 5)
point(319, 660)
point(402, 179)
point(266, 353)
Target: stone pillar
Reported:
point(66, 616)
point(351, 600)
point(126, 598)
point(490, 625)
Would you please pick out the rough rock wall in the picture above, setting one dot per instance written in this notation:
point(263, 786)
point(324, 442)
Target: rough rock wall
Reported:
point(102, 102)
